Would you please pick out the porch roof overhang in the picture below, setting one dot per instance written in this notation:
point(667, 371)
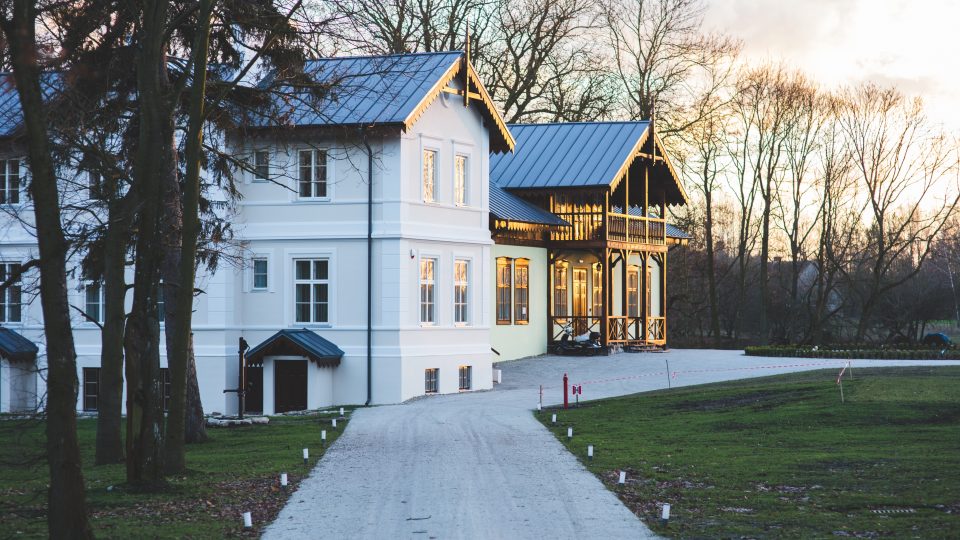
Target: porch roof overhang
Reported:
point(15, 347)
point(297, 342)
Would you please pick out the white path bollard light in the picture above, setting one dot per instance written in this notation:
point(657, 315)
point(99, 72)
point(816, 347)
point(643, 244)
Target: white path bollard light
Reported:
point(323, 436)
point(569, 433)
point(623, 477)
point(590, 452)
point(665, 513)
point(247, 520)
point(539, 407)
point(341, 411)
point(306, 455)
point(334, 423)
point(283, 480)
point(553, 418)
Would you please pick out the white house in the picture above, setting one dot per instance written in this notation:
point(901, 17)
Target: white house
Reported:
point(367, 227)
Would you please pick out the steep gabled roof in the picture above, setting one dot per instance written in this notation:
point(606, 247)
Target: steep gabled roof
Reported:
point(297, 342)
point(504, 205)
point(392, 90)
point(15, 347)
point(578, 154)
point(11, 114)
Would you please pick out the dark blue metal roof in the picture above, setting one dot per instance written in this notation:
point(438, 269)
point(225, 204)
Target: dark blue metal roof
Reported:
point(674, 232)
point(11, 114)
point(505, 205)
point(15, 347)
point(367, 89)
point(300, 342)
point(567, 155)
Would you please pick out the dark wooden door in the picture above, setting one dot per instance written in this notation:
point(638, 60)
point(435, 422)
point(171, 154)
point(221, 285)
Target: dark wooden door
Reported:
point(253, 399)
point(290, 385)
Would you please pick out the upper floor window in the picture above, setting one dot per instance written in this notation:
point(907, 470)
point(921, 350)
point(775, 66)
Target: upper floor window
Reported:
point(312, 288)
point(313, 174)
point(429, 175)
point(560, 300)
point(93, 301)
point(95, 186)
point(10, 298)
point(261, 165)
point(9, 181)
point(503, 291)
point(260, 280)
point(521, 291)
point(428, 289)
point(461, 305)
point(460, 180)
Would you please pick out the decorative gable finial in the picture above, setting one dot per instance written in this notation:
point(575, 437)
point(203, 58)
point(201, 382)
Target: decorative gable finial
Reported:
point(653, 126)
point(466, 70)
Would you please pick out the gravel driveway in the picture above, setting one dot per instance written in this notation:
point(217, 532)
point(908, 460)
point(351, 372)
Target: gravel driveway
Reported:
point(479, 465)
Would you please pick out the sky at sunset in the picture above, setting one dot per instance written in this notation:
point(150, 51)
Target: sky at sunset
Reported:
point(913, 45)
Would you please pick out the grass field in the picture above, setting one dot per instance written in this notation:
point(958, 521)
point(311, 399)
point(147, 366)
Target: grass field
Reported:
point(781, 457)
point(238, 470)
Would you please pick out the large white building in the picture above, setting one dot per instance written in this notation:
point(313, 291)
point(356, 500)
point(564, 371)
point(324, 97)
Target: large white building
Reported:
point(367, 227)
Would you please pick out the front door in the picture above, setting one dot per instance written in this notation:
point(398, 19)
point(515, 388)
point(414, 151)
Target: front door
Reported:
point(290, 385)
point(253, 399)
point(580, 322)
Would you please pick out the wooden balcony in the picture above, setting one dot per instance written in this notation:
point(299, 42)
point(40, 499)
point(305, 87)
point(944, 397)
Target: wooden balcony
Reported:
point(589, 227)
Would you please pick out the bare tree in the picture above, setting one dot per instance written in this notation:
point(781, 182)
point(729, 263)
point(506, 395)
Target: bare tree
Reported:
point(659, 52)
point(907, 172)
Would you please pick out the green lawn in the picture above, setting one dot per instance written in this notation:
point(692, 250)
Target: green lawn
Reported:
point(782, 457)
point(238, 470)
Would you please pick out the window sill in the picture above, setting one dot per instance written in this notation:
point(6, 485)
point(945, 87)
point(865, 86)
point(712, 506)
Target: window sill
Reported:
point(260, 290)
point(312, 200)
point(503, 323)
point(462, 325)
point(522, 323)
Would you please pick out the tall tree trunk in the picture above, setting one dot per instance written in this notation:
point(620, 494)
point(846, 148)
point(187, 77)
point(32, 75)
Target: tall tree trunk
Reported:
point(110, 402)
point(66, 497)
point(179, 350)
point(195, 423)
point(764, 271)
point(711, 264)
point(142, 340)
point(173, 295)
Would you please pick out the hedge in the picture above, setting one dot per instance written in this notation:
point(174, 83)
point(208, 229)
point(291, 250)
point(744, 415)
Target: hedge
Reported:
point(845, 352)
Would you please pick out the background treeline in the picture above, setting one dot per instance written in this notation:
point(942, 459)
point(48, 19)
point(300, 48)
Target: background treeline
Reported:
point(818, 214)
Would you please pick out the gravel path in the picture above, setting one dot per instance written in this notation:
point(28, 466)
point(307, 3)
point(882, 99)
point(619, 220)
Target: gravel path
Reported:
point(479, 465)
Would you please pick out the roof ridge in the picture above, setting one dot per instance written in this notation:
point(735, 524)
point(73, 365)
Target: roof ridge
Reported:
point(601, 122)
point(393, 55)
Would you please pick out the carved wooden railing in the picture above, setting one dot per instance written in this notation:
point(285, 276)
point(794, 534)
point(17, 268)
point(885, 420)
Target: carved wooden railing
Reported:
point(622, 329)
point(580, 325)
point(657, 329)
point(635, 229)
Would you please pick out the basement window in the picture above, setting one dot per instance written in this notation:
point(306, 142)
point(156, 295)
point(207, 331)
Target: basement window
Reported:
point(430, 380)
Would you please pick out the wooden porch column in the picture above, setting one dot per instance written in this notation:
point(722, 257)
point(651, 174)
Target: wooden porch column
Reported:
point(626, 202)
point(605, 269)
point(642, 297)
point(663, 294)
point(624, 305)
point(549, 328)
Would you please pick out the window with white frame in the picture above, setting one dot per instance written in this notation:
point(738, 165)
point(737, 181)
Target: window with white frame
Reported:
point(313, 174)
point(461, 291)
point(260, 274)
point(9, 181)
point(428, 291)
point(429, 175)
point(93, 301)
point(94, 186)
point(430, 379)
point(312, 290)
point(460, 180)
point(11, 298)
point(261, 165)
point(466, 376)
